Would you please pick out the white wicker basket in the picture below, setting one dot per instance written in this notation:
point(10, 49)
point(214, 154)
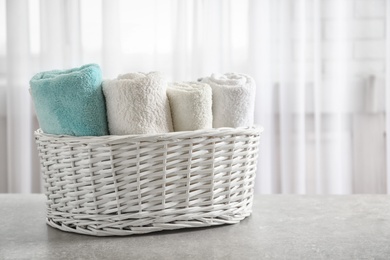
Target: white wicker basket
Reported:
point(124, 185)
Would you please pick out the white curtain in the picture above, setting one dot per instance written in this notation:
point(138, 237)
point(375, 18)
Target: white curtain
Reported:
point(321, 67)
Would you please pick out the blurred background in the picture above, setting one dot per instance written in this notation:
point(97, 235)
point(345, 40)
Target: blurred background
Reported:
point(321, 67)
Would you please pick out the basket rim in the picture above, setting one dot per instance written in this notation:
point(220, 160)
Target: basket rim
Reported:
point(251, 130)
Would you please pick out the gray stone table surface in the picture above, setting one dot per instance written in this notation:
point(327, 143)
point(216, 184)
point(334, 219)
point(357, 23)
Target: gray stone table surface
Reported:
point(281, 227)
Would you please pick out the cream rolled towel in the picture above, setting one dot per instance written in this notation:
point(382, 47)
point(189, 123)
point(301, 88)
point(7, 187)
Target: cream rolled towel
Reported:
point(137, 103)
point(191, 106)
point(233, 99)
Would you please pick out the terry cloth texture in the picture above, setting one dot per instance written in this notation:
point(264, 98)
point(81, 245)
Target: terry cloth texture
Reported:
point(70, 102)
point(233, 99)
point(137, 103)
point(191, 106)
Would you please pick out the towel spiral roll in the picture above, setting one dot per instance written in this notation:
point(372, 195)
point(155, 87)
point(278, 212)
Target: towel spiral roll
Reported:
point(191, 106)
point(70, 102)
point(233, 99)
point(137, 104)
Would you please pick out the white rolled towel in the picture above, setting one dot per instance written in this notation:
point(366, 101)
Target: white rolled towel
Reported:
point(191, 106)
point(233, 99)
point(137, 103)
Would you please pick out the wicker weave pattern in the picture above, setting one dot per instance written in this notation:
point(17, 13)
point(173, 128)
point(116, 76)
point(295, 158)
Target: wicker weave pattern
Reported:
point(123, 185)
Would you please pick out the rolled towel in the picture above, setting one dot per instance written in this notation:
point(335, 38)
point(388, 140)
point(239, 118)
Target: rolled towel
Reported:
point(137, 103)
point(70, 102)
point(233, 99)
point(191, 106)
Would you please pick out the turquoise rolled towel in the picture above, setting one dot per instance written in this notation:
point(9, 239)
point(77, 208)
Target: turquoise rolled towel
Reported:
point(70, 102)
